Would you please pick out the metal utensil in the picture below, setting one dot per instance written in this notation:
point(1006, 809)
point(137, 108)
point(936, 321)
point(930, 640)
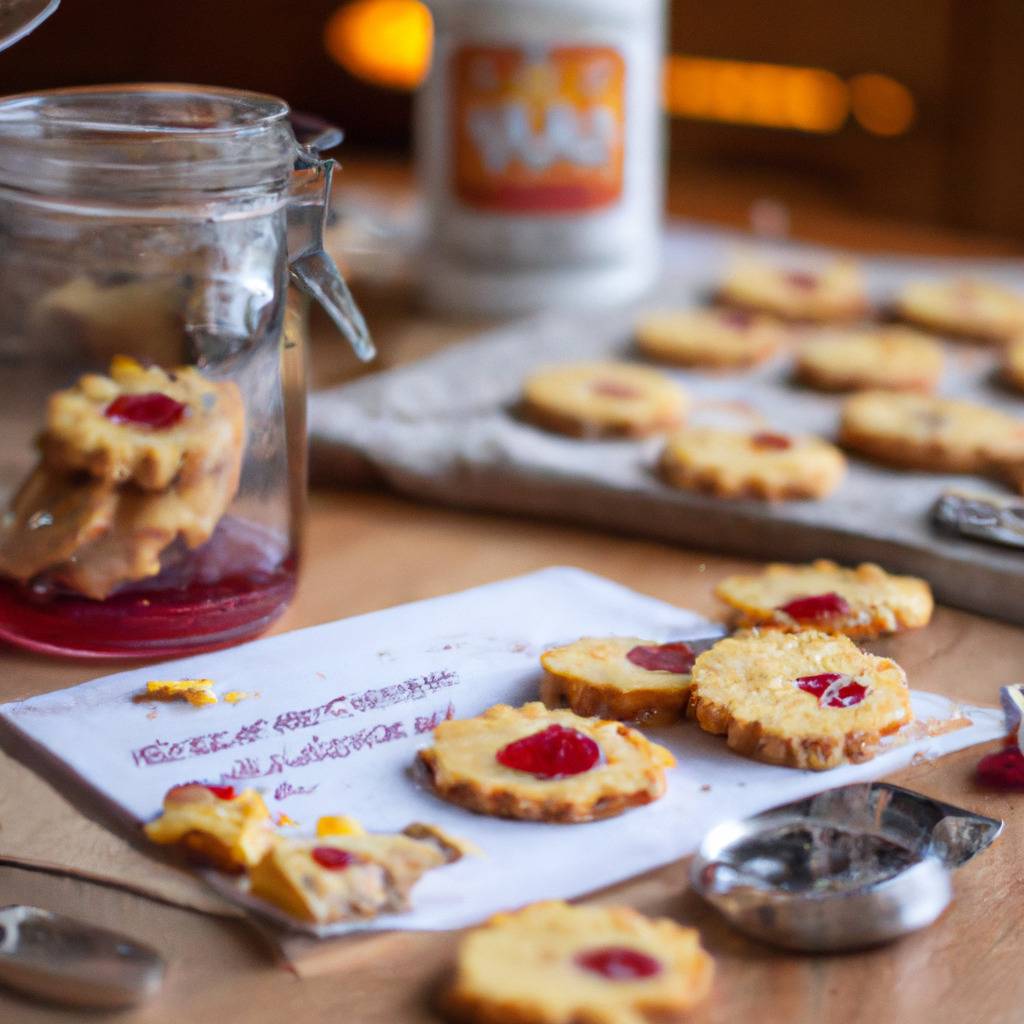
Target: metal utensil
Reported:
point(62, 960)
point(848, 868)
point(994, 518)
point(19, 17)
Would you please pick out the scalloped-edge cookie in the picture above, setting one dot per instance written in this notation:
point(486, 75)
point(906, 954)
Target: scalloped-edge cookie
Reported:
point(539, 764)
point(807, 700)
point(944, 435)
point(603, 399)
point(966, 308)
point(863, 602)
point(552, 963)
point(625, 678)
point(889, 358)
point(832, 293)
point(716, 339)
point(760, 464)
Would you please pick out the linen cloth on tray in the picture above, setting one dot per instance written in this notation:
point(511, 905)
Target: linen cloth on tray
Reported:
point(343, 707)
point(445, 429)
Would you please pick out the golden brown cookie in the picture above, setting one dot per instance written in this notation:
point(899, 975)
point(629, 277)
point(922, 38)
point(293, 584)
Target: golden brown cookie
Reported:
point(965, 308)
point(925, 432)
point(717, 339)
point(1013, 364)
point(863, 602)
point(889, 358)
point(603, 400)
point(542, 765)
point(624, 678)
point(214, 824)
point(144, 425)
point(808, 700)
point(760, 464)
point(833, 293)
point(552, 963)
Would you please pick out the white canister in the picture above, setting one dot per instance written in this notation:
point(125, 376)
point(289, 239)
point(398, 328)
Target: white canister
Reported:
point(539, 151)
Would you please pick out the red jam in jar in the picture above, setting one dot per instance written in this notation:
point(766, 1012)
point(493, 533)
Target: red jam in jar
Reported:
point(675, 657)
point(153, 410)
point(618, 963)
point(551, 753)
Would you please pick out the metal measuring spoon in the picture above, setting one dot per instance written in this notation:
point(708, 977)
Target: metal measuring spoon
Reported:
point(62, 960)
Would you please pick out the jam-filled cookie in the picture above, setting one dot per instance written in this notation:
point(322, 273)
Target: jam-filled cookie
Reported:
point(719, 339)
point(544, 765)
point(552, 963)
point(945, 435)
point(759, 464)
point(144, 425)
point(625, 678)
point(603, 400)
point(832, 293)
point(862, 602)
point(215, 825)
point(808, 700)
point(890, 358)
point(341, 877)
point(971, 309)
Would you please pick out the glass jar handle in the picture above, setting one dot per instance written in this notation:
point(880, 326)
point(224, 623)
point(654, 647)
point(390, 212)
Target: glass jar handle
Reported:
point(311, 268)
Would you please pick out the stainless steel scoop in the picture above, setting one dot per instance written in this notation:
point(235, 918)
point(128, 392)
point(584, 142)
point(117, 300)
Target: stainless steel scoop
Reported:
point(848, 868)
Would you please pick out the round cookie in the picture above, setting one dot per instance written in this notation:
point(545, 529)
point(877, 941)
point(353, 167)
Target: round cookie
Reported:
point(552, 963)
point(740, 464)
point(966, 308)
point(863, 602)
point(603, 399)
point(808, 700)
point(624, 678)
point(144, 425)
point(1013, 364)
point(944, 435)
point(889, 358)
point(718, 339)
point(542, 765)
point(832, 294)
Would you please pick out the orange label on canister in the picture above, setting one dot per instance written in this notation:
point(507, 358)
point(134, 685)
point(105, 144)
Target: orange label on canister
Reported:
point(538, 130)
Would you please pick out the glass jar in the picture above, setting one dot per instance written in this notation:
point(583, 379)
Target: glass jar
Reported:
point(157, 247)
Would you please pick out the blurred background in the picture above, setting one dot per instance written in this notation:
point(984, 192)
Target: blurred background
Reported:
point(901, 109)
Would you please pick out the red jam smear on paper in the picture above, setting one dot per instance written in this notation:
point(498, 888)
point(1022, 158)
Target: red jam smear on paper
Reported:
point(618, 963)
point(154, 410)
point(801, 279)
point(779, 442)
point(823, 686)
point(551, 753)
point(1002, 770)
point(674, 657)
point(332, 858)
point(615, 389)
point(816, 607)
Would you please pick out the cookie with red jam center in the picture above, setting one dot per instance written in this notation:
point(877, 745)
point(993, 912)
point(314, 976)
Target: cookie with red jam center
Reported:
point(543, 765)
point(552, 963)
point(862, 602)
point(625, 678)
point(807, 700)
point(716, 339)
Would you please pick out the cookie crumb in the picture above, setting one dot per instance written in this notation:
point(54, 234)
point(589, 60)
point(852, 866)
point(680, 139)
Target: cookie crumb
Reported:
point(198, 692)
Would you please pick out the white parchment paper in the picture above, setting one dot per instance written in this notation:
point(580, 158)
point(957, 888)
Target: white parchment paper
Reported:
point(342, 708)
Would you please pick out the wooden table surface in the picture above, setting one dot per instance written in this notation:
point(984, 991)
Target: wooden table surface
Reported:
point(370, 550)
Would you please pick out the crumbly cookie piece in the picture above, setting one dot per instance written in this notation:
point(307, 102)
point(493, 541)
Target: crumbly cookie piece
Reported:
point(625, 678)
point(341, 877)
point(719, 339)
point(944, 435)
point(808, 700)
point(741, 464)
point(863, 602)
point(965, 308)
point(829, 294)
point(144, 425)
point(544, 765)
point(603, 400)
point(890, 358)
point(197, 692)
point(1013, 364)
point(51, 517)
point(214, 824)
point(552, 963)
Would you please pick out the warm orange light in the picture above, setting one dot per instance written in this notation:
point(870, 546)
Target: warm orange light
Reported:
point(882, 105)
point(741, 92)
point(387, 42)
